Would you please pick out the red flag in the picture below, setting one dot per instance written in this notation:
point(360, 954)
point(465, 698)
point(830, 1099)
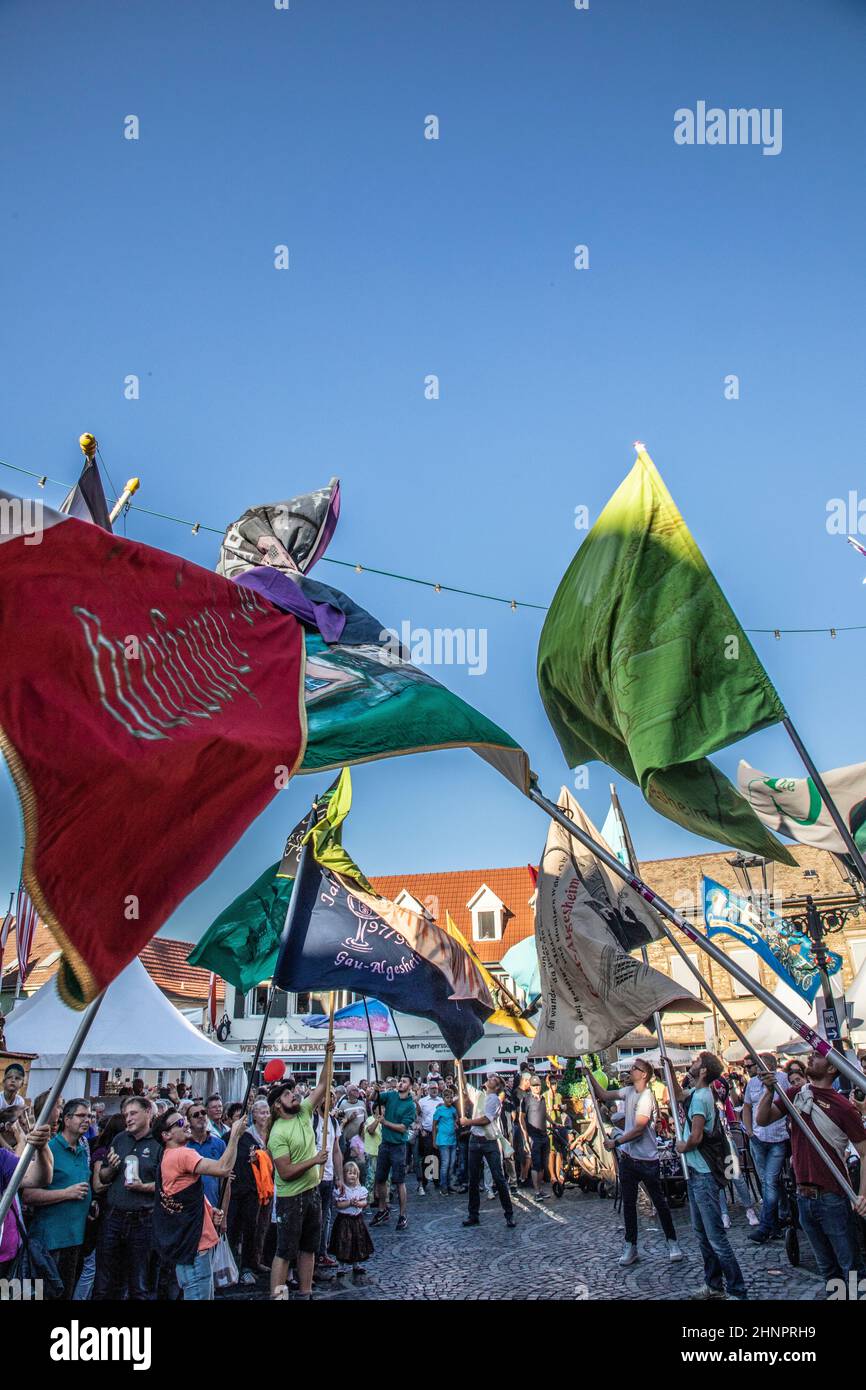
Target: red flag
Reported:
point(26, 922)
point(212, 1002)
point(533, 875)
point(149, 710)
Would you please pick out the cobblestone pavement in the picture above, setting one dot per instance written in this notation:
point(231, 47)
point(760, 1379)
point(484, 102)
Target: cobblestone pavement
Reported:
point(561, 1249)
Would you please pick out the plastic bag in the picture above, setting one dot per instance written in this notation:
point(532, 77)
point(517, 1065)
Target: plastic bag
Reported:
point(225, 1271)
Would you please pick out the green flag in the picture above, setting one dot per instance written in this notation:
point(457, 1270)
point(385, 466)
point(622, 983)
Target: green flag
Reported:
point(643, 665)
point(242, 944)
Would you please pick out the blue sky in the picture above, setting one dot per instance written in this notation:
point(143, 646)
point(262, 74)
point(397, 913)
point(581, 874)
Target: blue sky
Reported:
point(409, 257)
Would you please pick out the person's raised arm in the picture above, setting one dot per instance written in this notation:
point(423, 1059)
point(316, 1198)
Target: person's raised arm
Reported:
point(767, 1110)
point(40, 1170)
point(318, 1095)
point(222, 1166)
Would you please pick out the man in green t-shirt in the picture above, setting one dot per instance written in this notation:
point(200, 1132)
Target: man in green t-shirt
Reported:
point(398, 1116)
point(298, 1168)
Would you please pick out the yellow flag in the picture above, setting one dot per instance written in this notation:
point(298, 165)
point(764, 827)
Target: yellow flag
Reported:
point(506, 1015)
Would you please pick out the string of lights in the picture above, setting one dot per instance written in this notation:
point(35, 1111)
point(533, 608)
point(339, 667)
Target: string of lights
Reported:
point(514, 604)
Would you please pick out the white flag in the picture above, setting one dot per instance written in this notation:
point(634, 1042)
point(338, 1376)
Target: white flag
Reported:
point(587, 920)
point(793, 805)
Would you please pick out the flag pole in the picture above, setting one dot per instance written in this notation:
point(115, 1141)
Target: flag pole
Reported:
point(402, 1044)
point(667, 1068)
point(461, 1087)
point(51, 1100)
point(815, 1041)
point(372, 1043)
point(835, 814)
point(792, 1111)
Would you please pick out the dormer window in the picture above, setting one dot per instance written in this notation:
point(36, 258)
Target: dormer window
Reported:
point(488, 915)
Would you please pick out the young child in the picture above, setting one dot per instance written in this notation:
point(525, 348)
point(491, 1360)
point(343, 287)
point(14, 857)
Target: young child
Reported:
point(350, 1241)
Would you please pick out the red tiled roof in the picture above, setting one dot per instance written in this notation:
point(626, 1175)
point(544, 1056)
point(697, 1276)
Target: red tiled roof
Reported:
point(452, 891)
point(676, 880)
point(166, 963)
point(163, 959)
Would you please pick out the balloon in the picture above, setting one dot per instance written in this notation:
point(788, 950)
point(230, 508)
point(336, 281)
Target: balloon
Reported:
point(275, 1070)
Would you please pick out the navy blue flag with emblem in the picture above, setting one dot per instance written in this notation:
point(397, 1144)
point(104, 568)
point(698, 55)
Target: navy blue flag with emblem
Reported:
point(339, 937)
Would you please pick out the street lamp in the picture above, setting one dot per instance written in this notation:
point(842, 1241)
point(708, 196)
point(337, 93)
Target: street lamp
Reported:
point(744, 865)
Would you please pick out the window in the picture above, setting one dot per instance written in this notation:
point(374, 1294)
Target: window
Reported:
point(257, 1002)
point(681, 973)
point(485, 926)
point(810, 873)
point(488, 915)
point(748, 961)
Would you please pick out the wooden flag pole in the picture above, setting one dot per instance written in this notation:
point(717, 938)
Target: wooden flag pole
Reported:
point(461, 1087)
point(51, 1100)
point(709, 947)
point(835, 814)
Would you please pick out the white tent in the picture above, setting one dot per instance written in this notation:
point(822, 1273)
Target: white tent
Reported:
point(769, 1033)
point(136, 1027)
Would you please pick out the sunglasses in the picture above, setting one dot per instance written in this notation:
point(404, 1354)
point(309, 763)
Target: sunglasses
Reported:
point(180, 1123)
point(196, 1114)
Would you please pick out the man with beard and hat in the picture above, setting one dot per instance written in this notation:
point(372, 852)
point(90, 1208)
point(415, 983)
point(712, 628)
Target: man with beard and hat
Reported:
point(298, 1165)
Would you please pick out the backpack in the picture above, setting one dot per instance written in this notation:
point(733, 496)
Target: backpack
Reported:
point(713, 1147)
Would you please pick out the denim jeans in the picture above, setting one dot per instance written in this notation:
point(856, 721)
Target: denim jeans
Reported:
point(84, 1287)
point(123, 1257)
point(446, 1165)
point(479, 1150)
point(633, 1172)
point(720, 1262)
point(196, 1280)
point(768, 1160)
point(828, 1223)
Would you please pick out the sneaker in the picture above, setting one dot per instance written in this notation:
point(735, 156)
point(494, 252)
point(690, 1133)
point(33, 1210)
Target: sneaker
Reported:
point(629, 1255)
point(509, 1221)
point(248, 1278)
point(514, 1190)
point(403, 1223)
point(726, 1221)
point(759, 1237)
point(381, 1217)
point(675, 1252)
point(327, 1262)
point(752, 1217)
point(539, 1198)
point(422, 1192)
point(280, 1292)
point(706, 1293)
point(472, 1221)
point(491, 1196)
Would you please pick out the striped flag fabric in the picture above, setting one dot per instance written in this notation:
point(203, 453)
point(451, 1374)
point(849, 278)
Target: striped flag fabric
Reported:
point(26, 922)
point(5, 928)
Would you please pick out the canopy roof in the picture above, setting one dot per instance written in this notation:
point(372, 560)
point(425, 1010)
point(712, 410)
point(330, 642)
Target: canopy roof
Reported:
point(135, 1027)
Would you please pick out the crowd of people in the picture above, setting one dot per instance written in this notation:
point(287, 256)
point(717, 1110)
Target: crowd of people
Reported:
point(173, 1194)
